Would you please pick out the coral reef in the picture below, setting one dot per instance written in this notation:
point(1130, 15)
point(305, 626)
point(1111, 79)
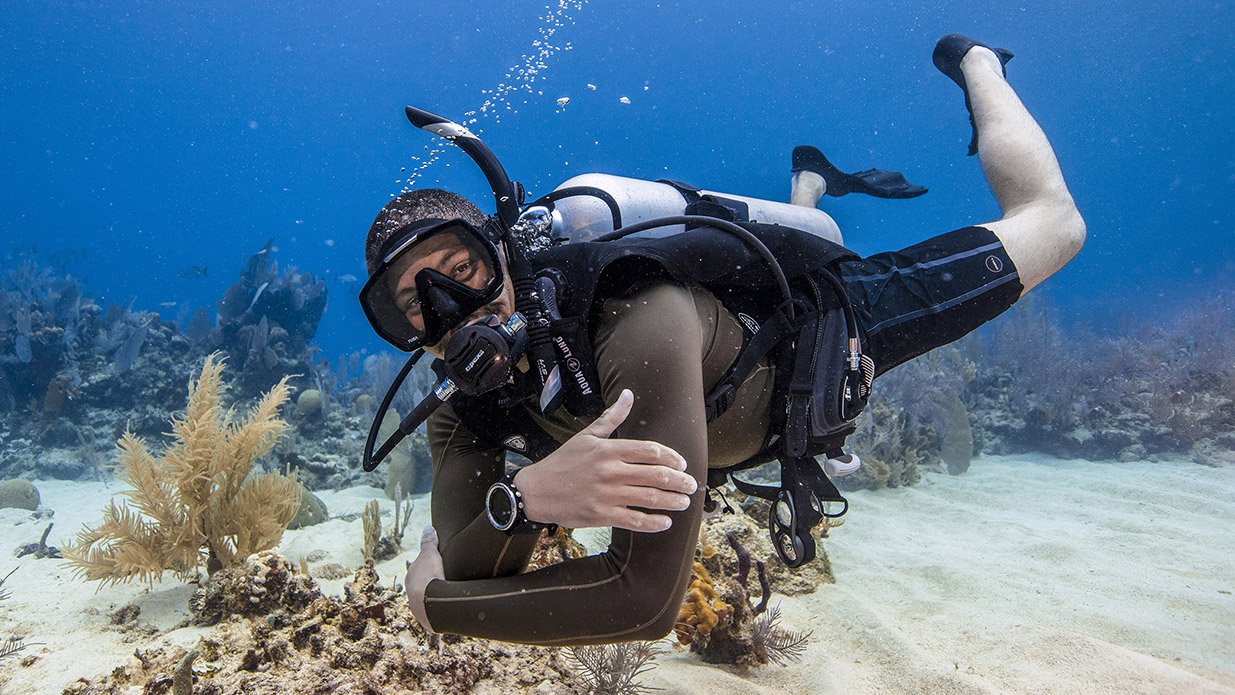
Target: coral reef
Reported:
point(702, 610)
point(719, 623)
point(750, 528)
point(309, 403)
point(614, 669)
point(891, 449)
point(552, 549)
point(19, 494)
point(1158, 390)
point(402, 468)
point(276, 633)
point(198, 497)
point(930, 391)
point(267, 320)
point(74, 376)
point(264, 584)
point(718, 620)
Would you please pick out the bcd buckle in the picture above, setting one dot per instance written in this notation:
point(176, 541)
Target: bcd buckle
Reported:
point(800, 505)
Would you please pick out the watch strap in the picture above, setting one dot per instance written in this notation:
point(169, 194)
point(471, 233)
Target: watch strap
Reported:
point(520, 524)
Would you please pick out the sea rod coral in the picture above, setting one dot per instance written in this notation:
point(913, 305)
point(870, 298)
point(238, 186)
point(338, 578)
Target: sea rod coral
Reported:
point(199, 500)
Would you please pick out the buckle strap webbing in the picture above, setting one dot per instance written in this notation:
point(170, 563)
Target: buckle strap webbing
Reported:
point(778, 327)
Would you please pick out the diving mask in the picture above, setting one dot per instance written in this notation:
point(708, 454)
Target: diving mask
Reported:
point(434, 275)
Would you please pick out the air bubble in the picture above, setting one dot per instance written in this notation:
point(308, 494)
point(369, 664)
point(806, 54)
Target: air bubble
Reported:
point(517, 78)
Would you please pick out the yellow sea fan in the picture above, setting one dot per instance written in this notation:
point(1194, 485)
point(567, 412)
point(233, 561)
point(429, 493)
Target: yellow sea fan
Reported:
point(198, 501)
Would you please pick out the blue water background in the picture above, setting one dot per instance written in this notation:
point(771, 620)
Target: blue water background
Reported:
point(163, 135)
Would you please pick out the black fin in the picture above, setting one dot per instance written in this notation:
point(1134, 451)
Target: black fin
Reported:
point(873, 182)
point(885, 184)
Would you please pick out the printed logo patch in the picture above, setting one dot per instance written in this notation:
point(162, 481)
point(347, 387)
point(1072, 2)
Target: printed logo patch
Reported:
point(516, 442)
point(747, 320)
point(993, 264)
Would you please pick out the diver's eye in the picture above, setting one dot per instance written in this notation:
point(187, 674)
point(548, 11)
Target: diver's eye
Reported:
point(464, 270)
point(411, 306)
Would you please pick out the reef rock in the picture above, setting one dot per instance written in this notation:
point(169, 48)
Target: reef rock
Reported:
point(19, 493)
point(312, 511)
point(263, 584)
point(309, 403)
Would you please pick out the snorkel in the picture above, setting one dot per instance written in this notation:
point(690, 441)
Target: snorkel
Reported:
point(482, 356)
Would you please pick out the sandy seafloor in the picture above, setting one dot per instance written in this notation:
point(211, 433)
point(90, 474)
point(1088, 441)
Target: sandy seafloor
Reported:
point(1023, 575)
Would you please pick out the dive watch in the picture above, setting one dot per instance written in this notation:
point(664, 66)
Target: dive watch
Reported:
point(505, 509)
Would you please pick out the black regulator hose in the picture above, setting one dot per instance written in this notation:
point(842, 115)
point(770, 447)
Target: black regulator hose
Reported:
point(368, 459)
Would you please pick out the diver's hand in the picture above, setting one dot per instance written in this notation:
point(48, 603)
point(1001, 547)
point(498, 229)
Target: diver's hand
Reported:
point(425, 568)
point(592, 480)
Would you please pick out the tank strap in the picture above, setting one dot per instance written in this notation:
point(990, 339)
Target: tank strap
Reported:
point(689, 193)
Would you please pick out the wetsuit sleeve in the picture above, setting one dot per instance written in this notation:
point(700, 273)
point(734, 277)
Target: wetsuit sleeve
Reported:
point(463, 470)
point(652, 344)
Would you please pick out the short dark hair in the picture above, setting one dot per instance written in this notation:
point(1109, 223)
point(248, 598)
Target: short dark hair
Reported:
point(420, 204)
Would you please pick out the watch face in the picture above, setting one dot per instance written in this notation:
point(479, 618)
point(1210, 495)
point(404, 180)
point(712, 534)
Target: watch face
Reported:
point(501, 507)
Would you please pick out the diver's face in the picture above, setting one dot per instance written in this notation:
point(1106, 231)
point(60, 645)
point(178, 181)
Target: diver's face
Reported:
point(459, 259)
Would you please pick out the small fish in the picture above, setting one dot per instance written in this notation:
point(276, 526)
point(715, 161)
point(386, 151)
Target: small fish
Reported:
point(591, 86)
point(348, 279)
point(193, 271)
point(168, 305)
point(330, 242)
point(625, 100)
point(563, 101)
point(256, 296)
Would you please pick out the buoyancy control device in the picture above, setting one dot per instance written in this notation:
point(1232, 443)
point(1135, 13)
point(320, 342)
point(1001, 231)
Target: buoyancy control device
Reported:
point(809, 331)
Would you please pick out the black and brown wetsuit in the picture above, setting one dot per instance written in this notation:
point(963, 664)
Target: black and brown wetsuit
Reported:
point(670, 344)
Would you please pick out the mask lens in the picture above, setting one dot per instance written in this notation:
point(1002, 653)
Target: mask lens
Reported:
point(429, 282)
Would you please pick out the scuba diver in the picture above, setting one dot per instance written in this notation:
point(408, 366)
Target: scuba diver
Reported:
point(637, 372)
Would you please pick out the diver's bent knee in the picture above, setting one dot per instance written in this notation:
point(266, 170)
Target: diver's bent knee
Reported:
point(1066, 231)
point(1040, 239)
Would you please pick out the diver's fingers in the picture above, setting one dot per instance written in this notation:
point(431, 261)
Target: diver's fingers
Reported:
point(646, 451)
point(659, 477)
point(653, 498)
point(633, 520)
point(615, 415)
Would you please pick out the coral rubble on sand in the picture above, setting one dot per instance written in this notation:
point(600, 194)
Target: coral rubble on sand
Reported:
point(276, 633)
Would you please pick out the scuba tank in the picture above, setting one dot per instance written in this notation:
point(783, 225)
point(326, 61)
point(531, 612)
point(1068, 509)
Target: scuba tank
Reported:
point(589, 206)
